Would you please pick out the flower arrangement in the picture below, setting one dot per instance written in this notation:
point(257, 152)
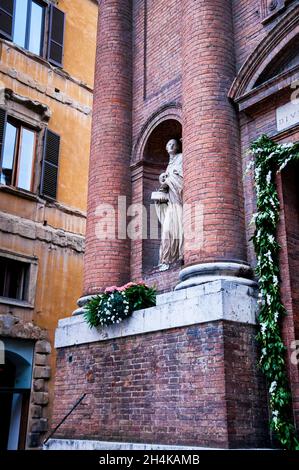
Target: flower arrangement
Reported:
point(270, 158)
point(118, 303)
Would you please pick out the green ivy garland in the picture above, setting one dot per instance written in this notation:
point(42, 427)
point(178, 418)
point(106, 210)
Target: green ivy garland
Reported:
point(270, 158)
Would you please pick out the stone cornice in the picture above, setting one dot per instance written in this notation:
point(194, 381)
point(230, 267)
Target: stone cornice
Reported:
point(36, 231)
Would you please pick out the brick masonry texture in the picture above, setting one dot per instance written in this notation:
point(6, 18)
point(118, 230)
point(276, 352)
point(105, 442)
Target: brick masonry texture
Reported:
point(212, 168)
point(165, 69)
point(152, 60)
point(107, 262)
point(195, 386)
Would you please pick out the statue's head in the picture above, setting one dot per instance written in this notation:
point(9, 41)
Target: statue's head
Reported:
point(172, 147)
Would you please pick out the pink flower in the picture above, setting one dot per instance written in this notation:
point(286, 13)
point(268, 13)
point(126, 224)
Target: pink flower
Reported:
point(121, 289)
point(128, 285)
point(110, 289)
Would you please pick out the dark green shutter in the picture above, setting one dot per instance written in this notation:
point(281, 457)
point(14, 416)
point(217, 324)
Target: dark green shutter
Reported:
point(56, 36)
point(50, 165)
point(3, 118)
point(6, 18)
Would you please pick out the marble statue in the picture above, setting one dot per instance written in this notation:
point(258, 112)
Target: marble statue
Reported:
point(169, 207)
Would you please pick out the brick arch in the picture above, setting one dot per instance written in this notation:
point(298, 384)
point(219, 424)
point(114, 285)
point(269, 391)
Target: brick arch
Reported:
point(265, 54)
point(149, 160)
point(171, 111)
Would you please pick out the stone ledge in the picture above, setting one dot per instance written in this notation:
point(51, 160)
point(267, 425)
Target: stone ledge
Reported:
point(84, 444)
point(78, 444)
point(32, 230)
point(214, 301)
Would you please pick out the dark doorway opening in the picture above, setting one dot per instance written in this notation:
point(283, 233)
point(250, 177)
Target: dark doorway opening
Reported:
point(15, 384)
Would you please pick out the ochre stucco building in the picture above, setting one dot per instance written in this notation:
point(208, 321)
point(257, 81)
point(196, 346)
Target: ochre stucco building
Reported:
point(218, 74)
point(47, 55)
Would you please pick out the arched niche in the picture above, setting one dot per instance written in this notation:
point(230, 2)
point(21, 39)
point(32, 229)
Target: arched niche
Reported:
point(150, 159)
point(155, 160)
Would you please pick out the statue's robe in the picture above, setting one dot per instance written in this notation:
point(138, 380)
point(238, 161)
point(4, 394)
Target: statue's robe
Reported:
point(170, 213)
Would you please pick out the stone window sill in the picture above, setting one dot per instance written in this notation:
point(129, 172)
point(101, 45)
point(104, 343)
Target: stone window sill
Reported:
point(15, 302)
point(19, 192)
point(42, 60)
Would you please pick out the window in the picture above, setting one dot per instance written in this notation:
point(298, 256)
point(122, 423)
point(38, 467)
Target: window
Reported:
point(25, 23)
point(18, 156)
point(28, 159)
point(28, 30)
point(18, 279)
point(14, 279)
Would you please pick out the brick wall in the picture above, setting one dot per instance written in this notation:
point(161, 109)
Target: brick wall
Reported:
point(195, 385)
point(288, 237)
point(185, 56)
point(156, 58)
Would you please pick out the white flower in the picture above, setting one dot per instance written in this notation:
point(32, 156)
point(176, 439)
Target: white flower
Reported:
point(271, 238)
point(275, 281)
point(284, 164)
point(268, 255)
point(263, 328)
point(273, 387)
point(264, 352)
point(272, 202)
point(269, 177)
point(276, 315)
point(268, 299)
point(257, 173)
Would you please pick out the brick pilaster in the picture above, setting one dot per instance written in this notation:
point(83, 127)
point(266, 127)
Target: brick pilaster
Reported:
point(212, 166)
point(107, 261)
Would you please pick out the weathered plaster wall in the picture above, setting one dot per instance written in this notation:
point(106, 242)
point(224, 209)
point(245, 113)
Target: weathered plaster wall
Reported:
point(54, 232)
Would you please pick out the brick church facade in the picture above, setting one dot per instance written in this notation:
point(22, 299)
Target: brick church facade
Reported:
point(216, 74)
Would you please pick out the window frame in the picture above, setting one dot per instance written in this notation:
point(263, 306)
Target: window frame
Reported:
point(48, 7)
point(31, 280)
point(22, 288)
point(20, 125)
point(28, 26)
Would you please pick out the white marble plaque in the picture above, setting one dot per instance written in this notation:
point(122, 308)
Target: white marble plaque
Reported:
point(287, 116)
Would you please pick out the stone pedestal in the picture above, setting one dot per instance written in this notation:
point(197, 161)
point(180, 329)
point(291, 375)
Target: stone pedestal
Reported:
point(183, 373)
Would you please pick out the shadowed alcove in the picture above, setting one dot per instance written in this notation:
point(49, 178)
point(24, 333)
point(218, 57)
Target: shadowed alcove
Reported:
point(155, 158)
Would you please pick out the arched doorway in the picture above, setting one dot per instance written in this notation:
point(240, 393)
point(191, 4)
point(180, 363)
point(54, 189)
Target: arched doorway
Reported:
point(15, 385)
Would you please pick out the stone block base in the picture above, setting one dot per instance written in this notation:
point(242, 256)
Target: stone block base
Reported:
point(183, 373)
